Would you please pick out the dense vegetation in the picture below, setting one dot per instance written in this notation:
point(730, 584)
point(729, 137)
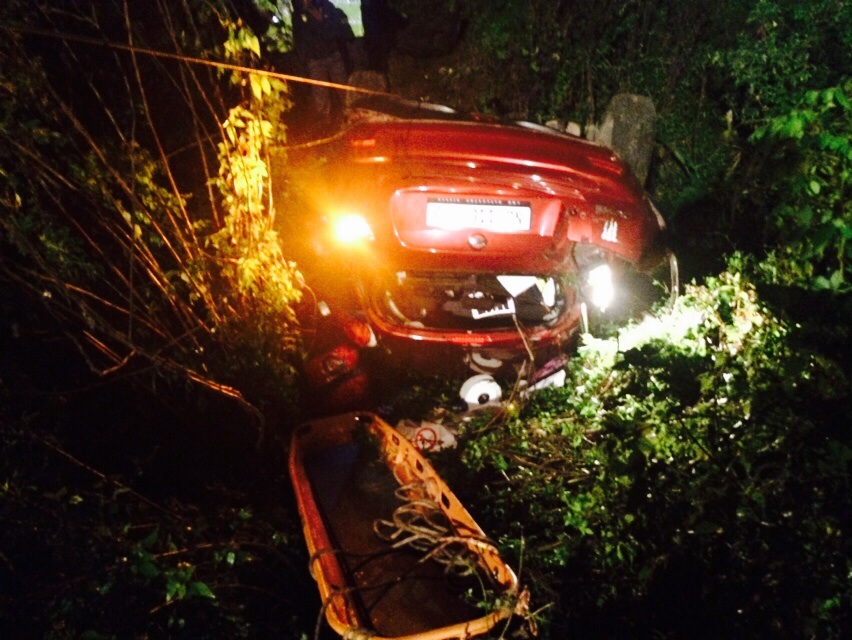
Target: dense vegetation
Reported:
point(692, 479)
point(693, 473)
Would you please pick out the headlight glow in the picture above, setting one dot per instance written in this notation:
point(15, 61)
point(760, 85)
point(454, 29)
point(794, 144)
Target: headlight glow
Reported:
point(352, 228)
point(602, 289)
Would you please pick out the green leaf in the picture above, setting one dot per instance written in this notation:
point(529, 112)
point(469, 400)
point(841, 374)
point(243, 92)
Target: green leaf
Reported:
point(175, 589)
point(821, 283)
point(828, 97)
point(256, 87)
point(150, 539)
point(804, 216)
point(201, 590)
point(147, 569)
point(500, 462)
point(836, 279)
point(794, 127)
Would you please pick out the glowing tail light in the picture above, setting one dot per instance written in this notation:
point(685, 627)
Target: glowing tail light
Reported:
point(351, 229)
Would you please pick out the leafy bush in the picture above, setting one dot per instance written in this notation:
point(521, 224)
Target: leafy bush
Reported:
point(108, 183)
point(116, 526)
point(809, 178)
point(783, 49)
point(690, 473)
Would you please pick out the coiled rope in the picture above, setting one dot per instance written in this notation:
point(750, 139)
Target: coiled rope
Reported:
point(418, 524)
point(421, 525)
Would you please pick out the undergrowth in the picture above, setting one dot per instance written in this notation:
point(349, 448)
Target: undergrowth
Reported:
point(692, 477)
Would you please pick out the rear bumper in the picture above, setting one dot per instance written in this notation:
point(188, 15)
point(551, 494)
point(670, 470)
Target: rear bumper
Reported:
point(499, 353)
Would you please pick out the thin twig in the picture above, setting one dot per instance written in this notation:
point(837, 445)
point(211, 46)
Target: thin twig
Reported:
point(102, 476)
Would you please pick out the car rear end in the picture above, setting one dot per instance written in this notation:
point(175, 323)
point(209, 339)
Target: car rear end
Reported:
point(474, 236)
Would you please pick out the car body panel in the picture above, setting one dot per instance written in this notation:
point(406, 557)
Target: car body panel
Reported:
point(579, 191)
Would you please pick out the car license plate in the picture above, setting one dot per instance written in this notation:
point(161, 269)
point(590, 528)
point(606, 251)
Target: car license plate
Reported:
point(503, 217)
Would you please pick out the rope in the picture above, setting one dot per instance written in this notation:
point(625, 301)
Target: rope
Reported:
point(421, 525)
point(46, 33)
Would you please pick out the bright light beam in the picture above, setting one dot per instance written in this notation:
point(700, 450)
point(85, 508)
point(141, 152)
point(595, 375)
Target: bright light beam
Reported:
point(603, 290)
point(352, 228)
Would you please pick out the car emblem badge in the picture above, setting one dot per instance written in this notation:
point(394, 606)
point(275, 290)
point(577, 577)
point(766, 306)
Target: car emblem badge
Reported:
point(610, 231)
point(477, 241)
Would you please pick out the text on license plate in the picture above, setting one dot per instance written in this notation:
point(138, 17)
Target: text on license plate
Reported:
point(452, 216)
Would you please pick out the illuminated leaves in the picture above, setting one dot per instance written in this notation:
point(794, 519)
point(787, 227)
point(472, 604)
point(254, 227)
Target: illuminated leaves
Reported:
point(814, 215)
point(239, 41)
point(698, 439)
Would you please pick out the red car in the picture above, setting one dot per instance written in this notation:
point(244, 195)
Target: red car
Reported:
point(471, 246)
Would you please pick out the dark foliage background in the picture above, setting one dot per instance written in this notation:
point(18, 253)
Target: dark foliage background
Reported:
point(691, 480)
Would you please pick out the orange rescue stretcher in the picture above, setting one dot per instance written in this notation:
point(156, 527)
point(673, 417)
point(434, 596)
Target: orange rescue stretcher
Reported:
point(394, 553)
